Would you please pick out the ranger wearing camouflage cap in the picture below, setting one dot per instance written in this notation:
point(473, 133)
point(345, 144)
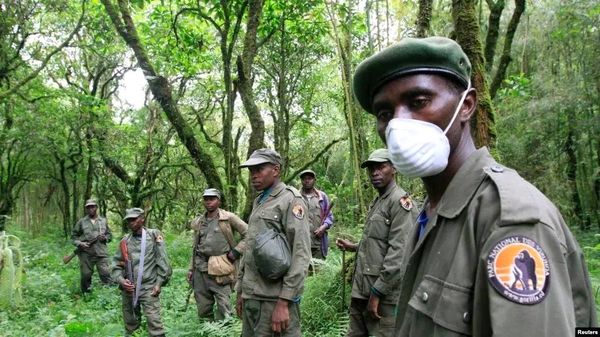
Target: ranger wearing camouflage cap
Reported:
point(214, 242)
point(271, 306)
point(141, 268)
point(90, 235)
point(378, 264)
point(490, 254)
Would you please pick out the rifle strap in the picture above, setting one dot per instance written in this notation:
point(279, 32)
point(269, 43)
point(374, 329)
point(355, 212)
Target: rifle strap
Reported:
point(140, 273)
point(226, 229)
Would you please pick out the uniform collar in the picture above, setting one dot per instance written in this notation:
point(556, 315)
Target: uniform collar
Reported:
point(275, 190)
point(464, 184)
point(388, 190)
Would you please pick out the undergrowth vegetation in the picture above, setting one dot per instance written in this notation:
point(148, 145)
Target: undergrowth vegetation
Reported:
point(52, 304)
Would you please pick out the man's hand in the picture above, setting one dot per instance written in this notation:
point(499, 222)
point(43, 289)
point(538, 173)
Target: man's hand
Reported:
point(190, 274)
point(155, 291)
point(239, 305)
point(83, 244)
point(127, 285)
point(230, 256)
point(320, 231)
point(280, 319)
point(344, 244)
point(373, 306)
point(102, 238)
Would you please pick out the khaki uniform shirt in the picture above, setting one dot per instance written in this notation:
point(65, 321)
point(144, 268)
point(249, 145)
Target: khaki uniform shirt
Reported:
point(462, 276)
point(382, 246)
point(284, 210)
point(314, 215)
point(157, 269)
point(209, 240)
point(87, 230)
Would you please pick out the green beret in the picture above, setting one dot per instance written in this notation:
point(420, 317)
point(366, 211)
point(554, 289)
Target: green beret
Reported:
point(262, 156)
point(377, 156)
point(409, 56)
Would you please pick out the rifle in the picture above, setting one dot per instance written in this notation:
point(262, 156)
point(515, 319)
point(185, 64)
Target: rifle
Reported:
point(128, 268)
point(187, 299)
point(68, 258)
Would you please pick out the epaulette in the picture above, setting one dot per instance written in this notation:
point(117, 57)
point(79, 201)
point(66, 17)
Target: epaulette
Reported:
point(520, 201)
point(294, 191)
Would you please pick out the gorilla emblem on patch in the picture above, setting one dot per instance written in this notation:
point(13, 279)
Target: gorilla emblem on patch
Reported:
point(406, 203)
point(298, 211)
point(518, 268)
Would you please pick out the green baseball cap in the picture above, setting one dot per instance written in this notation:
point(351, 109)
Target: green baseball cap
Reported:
point(435, 54)
point(262, 156)
point(133, 213)
point(377, 156)
point(211, 192)
point(311, 172)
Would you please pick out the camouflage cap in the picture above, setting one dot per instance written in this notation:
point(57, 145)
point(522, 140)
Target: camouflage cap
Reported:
point(311, 172)
point(211, 192)
point(262, 156)
point(91, 202)
point(409, 56)
point(132, 213)
point(377, 156)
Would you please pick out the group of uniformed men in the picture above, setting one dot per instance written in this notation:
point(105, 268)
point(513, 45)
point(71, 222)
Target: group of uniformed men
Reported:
point(486, 254)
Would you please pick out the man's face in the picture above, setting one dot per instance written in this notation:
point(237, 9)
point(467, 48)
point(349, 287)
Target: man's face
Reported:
point(211, 203)
point(263, 176)
point(135, 224)
point(91, 210)
point(427, 97)
point(381, 174)
point(308, 182)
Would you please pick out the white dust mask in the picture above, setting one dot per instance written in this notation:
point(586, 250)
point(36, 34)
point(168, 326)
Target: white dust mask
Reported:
point(418, 148)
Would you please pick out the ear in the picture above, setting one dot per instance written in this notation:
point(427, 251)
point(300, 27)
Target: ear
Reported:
point(469, 106)
point(276, 170)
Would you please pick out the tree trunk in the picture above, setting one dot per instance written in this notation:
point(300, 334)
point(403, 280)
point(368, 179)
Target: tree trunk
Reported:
point(506, 58)
point(467, 35)
point(424, 18)
point(160, 88)
point(491, 39)
point(244, 84)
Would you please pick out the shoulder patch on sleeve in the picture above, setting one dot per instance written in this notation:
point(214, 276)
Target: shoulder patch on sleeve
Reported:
point(518, 269)
point(406, 203)
point(298, 211)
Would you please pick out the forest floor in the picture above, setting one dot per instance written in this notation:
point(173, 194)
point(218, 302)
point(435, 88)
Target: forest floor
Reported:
point(52, 304)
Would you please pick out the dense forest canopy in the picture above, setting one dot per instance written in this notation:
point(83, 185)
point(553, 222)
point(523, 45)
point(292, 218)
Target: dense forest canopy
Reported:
point(221, 79)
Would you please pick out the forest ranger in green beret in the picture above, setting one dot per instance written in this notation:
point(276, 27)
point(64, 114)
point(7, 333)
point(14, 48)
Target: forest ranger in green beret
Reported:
point(490, 254)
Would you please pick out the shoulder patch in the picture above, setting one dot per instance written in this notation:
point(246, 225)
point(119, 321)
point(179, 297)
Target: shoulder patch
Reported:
point(518, 268)
point(298, 211)
point(406, 203)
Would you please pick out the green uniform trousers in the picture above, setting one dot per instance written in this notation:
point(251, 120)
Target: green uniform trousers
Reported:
point(86, 269)
point(206, 292)
point(150, 305)
point(363, 325)
point(256, 319)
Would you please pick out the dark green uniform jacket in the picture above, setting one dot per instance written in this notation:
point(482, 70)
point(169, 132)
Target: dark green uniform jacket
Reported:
point(86, 230)
point(285, 211)
point(496, 259)
point(382, 246)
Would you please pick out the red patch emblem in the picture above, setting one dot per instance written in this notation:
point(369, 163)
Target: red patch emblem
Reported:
point(406, 203)
point(518, 269)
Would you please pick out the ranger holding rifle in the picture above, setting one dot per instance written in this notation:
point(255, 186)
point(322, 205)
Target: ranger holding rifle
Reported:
point(141, 269)
point(90, 235)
